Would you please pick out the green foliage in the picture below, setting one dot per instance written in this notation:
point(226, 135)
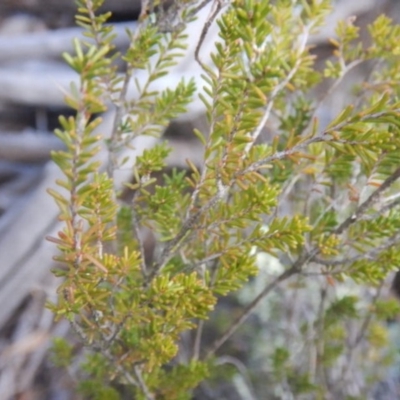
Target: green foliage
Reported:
point(62, 353)
point(318, 199)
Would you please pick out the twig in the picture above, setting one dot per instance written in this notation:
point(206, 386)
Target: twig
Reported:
point(79, 331)
point(296, 267)
point(373, 198)
point(137, 233)
point(197, 340)
point(119, 113)
point(256, 133)
point(367, 320)
point(320, 326)
point(185, 231)
point(248, 310)
point(324, 136)
point(360, 335)
point(142, 384)
point(334, 86)
point(280, 155)
point(205, 29)
point(242, 371)
point(384, 209)
point(196, 9)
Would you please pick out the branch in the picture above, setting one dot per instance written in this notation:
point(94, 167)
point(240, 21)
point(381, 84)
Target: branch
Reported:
point(186, 230)
point(105, 353)
point(360, 335)
point(196, 9)
point(280, 155)
point(197, 340)
point(206, 27)
point(370, 255)
point(373, 198)
point(324, 136)
point(138, 235)
point(255, 134)
point(249, 309)
point(142, 384)
point(191, 220)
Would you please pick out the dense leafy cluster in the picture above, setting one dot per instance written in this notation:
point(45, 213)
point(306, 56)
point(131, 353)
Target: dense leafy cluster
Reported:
point(319, 200)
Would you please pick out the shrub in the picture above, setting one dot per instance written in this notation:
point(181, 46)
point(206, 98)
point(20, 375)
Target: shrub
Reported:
point(317, 202)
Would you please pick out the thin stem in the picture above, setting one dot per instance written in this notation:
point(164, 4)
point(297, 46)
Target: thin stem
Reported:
point(249, 309)
point(320, 327)
point(197, 340)
point(187, 229)
point(97, 348)
point(360, 335)
point(205, 29)
point(137, 234)
point(196, 9)
point(275, 92)
point(142, 384)
point(119, 113)
point(373, 198)
point(299, 263)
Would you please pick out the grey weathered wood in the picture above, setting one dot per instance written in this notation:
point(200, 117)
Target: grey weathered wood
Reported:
point(49, 82)
point(53, 43)
point(64, 6)
point(28, 146)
